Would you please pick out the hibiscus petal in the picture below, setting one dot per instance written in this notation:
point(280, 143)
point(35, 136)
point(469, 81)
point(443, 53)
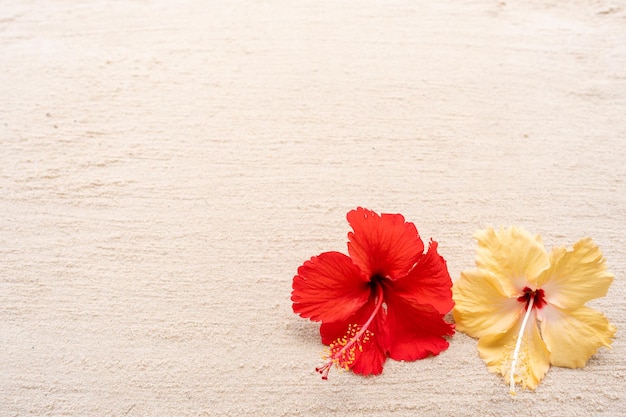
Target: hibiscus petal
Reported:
point(414, 331)
point(329, 287)
point(575, 276)
point(428, 282)
point(369, 359)
point(533, 360)
point(513, 255)
point(482, 306)
point(573, 336)
point(383, 245)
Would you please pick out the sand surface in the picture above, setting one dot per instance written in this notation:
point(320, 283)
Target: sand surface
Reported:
point(166, 166)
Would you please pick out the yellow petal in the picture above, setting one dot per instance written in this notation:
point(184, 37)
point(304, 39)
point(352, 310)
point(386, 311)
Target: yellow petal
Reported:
point(481, 305)
point(533, 359)
point(513, 255)
point(575, 276)
point(573, 336)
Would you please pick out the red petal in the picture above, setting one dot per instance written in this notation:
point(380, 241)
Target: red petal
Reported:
point(370, 360)
point(414, 331)
point(383, 245)
point(329, 287)
point(428, 282)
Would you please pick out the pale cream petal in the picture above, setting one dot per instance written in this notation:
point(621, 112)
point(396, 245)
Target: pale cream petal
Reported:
point(575, 276)
point(574, 336)
point(513, 255)
point(533, 359)
point(481, 305)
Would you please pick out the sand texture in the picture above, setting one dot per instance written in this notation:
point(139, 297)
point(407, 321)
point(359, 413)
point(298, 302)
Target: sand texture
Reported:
point(165, 167)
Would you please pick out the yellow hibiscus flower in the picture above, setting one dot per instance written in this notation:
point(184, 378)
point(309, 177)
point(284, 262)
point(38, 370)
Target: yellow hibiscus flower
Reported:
point(526, 306)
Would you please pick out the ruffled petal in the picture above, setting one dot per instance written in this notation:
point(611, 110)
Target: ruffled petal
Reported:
point(383, 245)
point(482, 306)
point(370, 356)
point(512, 255)
point(414, 331)
point(428, 282)
point(573, 336)
point(575, 276)
point(533, 359)
point(370, 360)
point(329, 287)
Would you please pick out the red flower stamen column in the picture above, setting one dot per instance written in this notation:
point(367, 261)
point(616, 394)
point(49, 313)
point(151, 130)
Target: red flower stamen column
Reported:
point(343, 350)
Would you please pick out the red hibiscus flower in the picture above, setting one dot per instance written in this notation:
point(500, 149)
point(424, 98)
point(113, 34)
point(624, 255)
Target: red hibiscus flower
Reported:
point(388, 298)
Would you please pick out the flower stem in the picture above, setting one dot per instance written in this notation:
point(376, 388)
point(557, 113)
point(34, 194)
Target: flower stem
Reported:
point(520, 336)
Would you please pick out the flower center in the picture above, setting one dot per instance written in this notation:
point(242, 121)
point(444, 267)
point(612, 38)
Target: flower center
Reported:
point(532, 298)
point(342, 352)
point(537, 296)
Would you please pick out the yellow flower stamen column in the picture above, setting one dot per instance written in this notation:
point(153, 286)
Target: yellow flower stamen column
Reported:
point(518, 344)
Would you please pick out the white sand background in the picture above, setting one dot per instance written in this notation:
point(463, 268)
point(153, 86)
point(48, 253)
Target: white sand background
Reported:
point(166, 166)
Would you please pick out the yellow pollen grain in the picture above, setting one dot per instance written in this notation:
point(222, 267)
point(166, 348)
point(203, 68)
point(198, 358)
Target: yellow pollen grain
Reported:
point(342, 351)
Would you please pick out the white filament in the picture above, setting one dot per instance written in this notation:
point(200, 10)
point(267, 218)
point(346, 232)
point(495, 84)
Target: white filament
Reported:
point(519, 343)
